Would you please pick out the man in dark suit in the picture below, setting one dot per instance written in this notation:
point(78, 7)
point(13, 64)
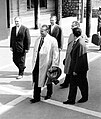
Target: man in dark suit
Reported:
point(78, 69)
point(56, 31)
point(19, 45)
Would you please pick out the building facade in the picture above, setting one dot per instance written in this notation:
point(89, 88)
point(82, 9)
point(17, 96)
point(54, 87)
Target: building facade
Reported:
point(11, 8)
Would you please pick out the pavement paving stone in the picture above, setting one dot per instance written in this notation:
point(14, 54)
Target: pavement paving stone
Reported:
point(6, 97)
point(42, 110)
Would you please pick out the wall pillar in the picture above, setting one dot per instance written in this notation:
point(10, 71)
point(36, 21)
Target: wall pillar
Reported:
point(3, 20)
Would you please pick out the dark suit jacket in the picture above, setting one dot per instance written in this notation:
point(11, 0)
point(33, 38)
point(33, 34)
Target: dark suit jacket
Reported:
point(99, 24)
point(79, 61)
point(57, 33)
point(21, 41)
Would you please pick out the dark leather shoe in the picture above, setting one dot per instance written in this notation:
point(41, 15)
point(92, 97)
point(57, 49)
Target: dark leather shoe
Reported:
point(47, 97)
point(82, 100)
point(69, 102)
point(34, 101)
point(63, 85)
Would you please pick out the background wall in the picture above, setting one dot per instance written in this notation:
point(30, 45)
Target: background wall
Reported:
point(3, 20)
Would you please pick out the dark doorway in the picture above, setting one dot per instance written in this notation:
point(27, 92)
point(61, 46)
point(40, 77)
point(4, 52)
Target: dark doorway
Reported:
point(43, 3)
point(30, 4)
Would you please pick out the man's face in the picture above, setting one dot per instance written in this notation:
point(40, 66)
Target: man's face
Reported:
point(17, 22)
point(52, 20)
point(73, 26)
point(43, 31)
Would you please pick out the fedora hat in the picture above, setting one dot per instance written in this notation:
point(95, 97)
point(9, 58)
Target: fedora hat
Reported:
point(54, 73)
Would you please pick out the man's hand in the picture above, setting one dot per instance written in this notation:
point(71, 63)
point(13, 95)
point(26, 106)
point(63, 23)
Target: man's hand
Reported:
point(11, 49)
point(74, 73)
point(26, 51)
point(60, 49)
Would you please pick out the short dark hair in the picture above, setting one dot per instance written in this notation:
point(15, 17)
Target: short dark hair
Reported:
point(46, 26)
point(77, 32)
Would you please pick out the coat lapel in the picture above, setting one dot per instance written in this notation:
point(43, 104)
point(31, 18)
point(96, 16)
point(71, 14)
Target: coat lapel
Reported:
point(20, 30)
point(55, 27)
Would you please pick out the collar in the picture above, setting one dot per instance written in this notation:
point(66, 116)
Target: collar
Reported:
point(77, 38)
point(53, 25)
point(18, 27)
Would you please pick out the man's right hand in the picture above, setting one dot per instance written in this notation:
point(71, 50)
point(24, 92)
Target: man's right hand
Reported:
point(11, 49)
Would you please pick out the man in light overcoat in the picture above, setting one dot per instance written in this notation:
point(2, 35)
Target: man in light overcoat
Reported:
point(45, 56)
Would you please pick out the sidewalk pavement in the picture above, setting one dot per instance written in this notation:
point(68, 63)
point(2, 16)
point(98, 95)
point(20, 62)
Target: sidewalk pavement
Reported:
point(15, 91)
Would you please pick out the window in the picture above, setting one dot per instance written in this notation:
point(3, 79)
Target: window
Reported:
point(43, 3)
point(30, 4)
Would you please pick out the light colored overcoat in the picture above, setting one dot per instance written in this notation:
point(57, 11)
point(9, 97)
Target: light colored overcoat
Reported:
point(68, 51)
point(48, 56)
point(68, 57)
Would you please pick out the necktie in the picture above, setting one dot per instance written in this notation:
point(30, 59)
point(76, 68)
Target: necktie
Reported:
point(17, 29)
point(41, 43)
point(74, 43)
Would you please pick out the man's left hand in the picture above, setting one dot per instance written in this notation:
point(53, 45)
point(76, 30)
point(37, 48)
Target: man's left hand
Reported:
point(74, 73)
point(26, 51)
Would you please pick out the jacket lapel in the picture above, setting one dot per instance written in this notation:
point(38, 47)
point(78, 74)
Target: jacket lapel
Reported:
point(55, 27)
point(20, 30)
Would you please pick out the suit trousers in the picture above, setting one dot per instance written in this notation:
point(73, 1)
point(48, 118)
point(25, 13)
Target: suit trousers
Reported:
point(35, 73)
point(49, 89)
point(80, 81)
point(37, 90)
point(67, 80)
point(19, 60)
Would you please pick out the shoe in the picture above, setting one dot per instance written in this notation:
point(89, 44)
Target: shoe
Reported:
point(34, 101)
point(19, 77)
point(82, 100)
point(69, 102)
point(47, 97)
point(64, 85)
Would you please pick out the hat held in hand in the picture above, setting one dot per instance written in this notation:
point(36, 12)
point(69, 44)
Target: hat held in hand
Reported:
point(54, 73)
